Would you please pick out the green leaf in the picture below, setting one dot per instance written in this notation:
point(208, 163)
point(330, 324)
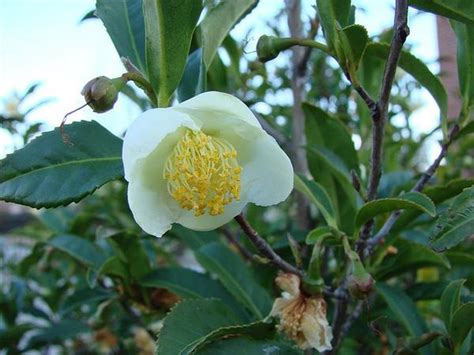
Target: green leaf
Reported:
point(49, 173)
point(464, 131)
point(410, 256)
point(169, 27)
point(194, 239)
point(124, 22)
point(58, 332)
point(416, 68)
point(251, 346)
point(403, 308)
point(10, 337)
point(318, 233)
point(456, 223)
point(317, 195)
point(331, 155)
point(327, 16)
point(86, 296)
point(450, 301)
point(409, 200)
point(460, 10)
point(217, 23)
point(462, 322)
point(133, 253)
point(465, 60)
point(236, 277)
point(79, 248)
point(194, 78)
point(190, 322)
point(437, 194)
point(426, 290)
point(187, 284)
point(354, 41)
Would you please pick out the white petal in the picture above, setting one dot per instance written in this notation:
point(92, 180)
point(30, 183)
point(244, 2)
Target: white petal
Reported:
point(149, 208)
point(152, 206)
point(317, 332)
point(219, 103)
point(268, 177)
point(146, 133)
point(207, 222)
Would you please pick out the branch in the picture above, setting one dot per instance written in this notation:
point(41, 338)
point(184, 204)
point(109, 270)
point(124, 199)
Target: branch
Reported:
point(420, 184)
point(380, 110)
point(264, 248)
point(400, 33)
point(233, 240)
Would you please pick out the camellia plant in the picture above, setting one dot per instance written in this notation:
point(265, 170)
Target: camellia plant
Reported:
point(218, 227)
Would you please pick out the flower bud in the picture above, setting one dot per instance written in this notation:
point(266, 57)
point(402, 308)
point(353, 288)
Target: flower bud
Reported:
point(101, 93)
point(360, 282)
point(268, 47)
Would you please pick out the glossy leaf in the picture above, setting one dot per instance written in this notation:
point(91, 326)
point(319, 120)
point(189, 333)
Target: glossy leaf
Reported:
point(327, 16)
point(403, 308)
point(437, 194)
point(194, 78)
point(410, 256)
point(124, 22)
point(194, 239)
point(465, 60)
point(133, 254)
point(188, 284)
point(86, 296)
point(169, 27)
point(416, 68)
point(50, 173)
point(462, 322)
point(251, 346)
point(457, 223)
point(217, 23)
point(318, 233)
point(354, 40)
point(409, 200)
point(460, 10)
point(318, 196)
point(58, 332)
point(236, 277)
point(450, 301)
point(179, 335)
point(79, 248)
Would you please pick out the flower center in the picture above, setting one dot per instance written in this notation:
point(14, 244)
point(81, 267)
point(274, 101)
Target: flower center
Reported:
point(203, 173)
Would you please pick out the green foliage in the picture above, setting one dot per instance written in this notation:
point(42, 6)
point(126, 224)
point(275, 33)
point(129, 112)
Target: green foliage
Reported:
point(219, 260)
point(409, 200)
point(49, 172)
point(465, 60)
point(457, 223)
point(460, 10)
point(169, 27)
point(124, 22)
point(87, 271)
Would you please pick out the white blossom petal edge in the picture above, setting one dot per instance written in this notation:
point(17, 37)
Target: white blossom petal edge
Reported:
point(199, 163)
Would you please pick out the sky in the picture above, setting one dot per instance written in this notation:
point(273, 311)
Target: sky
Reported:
point(43, 41)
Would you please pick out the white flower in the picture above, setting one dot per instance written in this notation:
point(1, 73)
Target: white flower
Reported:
point(199, 163)
point(302, 318)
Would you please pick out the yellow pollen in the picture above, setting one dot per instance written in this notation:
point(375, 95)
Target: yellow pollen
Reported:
point(203, 173)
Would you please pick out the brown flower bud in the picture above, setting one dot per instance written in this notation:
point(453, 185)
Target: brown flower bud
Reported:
point(101, 93)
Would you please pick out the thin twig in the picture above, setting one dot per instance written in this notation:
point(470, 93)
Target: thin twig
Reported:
point(380, 111)
point(264, 248)
point(420, 184)
point(233, 240)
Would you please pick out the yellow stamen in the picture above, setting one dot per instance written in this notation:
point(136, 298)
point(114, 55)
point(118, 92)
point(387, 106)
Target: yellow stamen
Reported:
point(203, 173)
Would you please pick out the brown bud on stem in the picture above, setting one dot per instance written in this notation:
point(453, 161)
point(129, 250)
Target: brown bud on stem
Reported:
point(101, 93)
